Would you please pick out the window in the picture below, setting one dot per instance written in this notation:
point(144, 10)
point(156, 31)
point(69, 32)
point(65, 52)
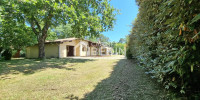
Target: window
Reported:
point(67, 48)
point(84, 49)
point(104, 53)
point(103, 49)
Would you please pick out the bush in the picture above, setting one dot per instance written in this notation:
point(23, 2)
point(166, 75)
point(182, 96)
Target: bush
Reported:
point(128, 53)
point(165, 39)
point(1, 49)
point(22, 53)
point(7, 54)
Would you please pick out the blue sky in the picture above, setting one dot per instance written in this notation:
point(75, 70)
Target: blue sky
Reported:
point(128, 10)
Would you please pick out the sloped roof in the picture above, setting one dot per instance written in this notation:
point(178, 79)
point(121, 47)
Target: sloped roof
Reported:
point(61, 40)
point(67, 40)
point(70, 39)
point(94, 44)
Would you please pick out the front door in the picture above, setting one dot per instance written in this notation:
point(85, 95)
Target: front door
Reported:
point(70, 50)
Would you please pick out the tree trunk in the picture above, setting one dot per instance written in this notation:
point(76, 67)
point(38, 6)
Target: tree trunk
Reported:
point(41, 44)
point(17, 54)
point(41, 33)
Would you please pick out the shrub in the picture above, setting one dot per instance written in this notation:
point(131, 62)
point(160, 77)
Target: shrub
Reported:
point(128, 53)
point(7, 54)
point(165, 38)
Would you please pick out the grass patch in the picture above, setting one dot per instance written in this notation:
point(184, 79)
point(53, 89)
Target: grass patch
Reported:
point(74, 79)
point(52, 78)
point(127, 82)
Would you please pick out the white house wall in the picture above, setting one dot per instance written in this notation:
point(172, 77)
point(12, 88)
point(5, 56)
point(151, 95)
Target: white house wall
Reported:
point(88, 51)
point(63, 50)
point(93, 52)
point(78, 45)
point(86, 45)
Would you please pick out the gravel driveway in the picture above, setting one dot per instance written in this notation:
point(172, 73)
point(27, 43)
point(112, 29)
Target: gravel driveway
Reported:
point(101, 57)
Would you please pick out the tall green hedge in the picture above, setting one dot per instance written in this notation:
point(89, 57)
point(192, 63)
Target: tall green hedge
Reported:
point(165, 39)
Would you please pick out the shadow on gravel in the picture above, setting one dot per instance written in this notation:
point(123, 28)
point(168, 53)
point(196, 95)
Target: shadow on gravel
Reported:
point(127, 82)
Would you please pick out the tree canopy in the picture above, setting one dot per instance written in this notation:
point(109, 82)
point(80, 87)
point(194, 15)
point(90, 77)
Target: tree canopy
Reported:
point(122, 40)
point(63, 31)
point(87, 17)
point(100, 38)
point(13, 34)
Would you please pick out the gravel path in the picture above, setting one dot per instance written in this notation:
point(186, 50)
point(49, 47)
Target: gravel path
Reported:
point(101, 57)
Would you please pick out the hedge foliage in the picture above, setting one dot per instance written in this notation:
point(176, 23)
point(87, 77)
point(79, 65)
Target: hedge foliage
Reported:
point(165, 39)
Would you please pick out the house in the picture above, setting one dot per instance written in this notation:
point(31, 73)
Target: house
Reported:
point(62, 48)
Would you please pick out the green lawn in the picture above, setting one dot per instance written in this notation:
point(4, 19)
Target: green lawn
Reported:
point(73, 79)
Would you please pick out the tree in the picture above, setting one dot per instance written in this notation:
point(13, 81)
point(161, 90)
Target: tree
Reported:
point(89, 17)
point(103, 39)
point(51, 35)
point(122, 40)
point(13, 34)
point(119, 48)
point(100, 38)
point(64, 31)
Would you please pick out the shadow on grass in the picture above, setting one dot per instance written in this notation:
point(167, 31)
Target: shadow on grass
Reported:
point(29, 66)
point(127, 82)
point(72, 97)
